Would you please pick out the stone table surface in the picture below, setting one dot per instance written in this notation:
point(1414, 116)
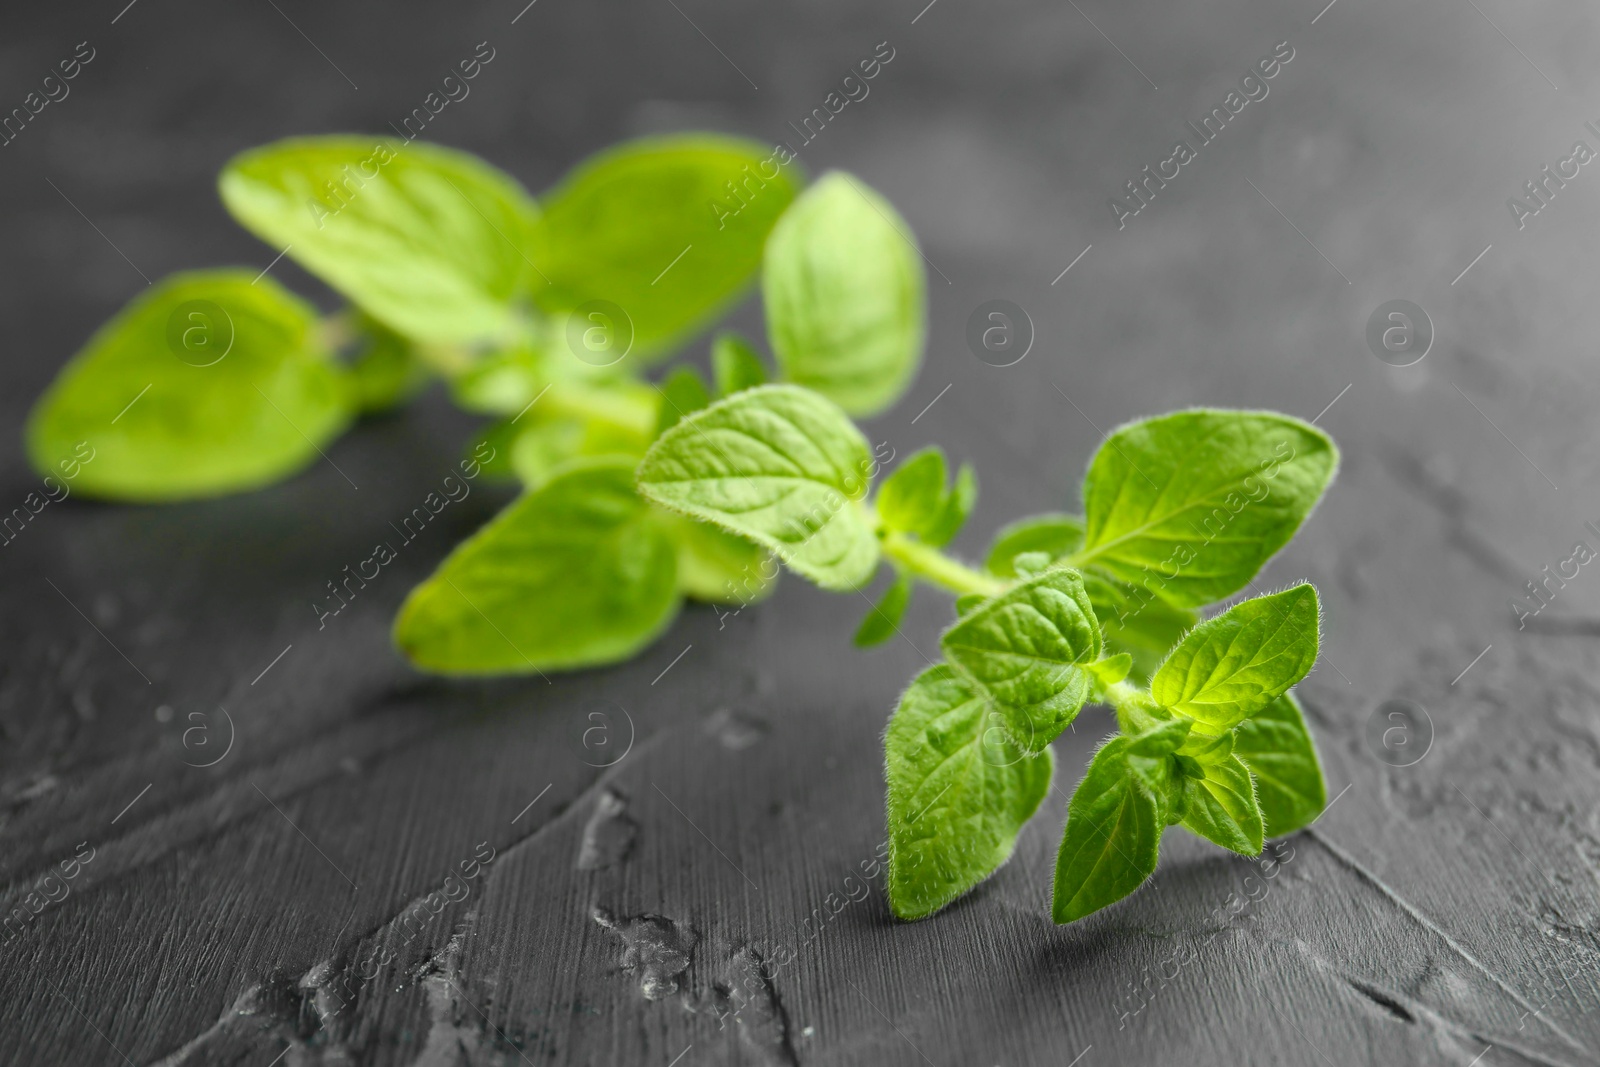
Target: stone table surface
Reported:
point(643, 836)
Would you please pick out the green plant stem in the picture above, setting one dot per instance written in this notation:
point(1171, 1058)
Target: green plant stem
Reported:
point(1136, 710)
point(934, 567)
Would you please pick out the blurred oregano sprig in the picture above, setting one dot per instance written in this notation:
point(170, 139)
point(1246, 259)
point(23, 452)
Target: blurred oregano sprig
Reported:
point(1178, 512)
point(545, 316)
point(639, 493)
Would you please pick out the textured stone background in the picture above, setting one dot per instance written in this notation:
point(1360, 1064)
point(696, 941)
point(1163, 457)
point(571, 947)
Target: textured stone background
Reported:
point(1442, 913)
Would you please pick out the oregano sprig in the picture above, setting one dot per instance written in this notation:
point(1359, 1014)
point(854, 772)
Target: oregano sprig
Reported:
point(544, 314)
point(1180, 510)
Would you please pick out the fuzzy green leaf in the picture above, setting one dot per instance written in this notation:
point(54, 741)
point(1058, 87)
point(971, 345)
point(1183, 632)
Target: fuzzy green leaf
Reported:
point(386, 372)
point(670, 229)
point(735, 364)
point(1059, 535)
point(1136, 621)
point(1110, 670)
point(1235, 664)
point(546, 446)
point(780, 465)
point(433, 242)
point(1027, 649)
point(957, 506)
point(1113, 836)
point(717, 567)
point(682, 393)
point(1275, 744)
point(958, 793)
point(1192, 505)
point(204, 384)
point(913, 498)
point(1222, 806)
point(967, 601)
point(573, 574)
point(844, 292)
point(884, 618)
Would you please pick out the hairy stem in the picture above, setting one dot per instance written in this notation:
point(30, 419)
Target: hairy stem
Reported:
point(932, 566)
point(1134, 707)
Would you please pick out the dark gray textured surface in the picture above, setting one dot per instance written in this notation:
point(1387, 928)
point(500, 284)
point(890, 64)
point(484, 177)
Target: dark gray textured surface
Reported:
point(1439, 912)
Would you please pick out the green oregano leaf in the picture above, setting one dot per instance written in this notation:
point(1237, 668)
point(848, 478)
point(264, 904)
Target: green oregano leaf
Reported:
point(668, 229)
point(779, 465)
point(547, 445)
point(1027, 563)
point(884, 617)
point(967, 601)
point(1207, 748)
point(1191, 505)
point(1136, 621)
point(433, 242)
point(576, 573)
point(912, 499)
point(844, 293)
point(958, 793)
point(386, 371)
point(683, 392)
point(957, 506)
point(1113, 835)
point(735, 364)
point(1275, 744)
point(1160, 740)
point(1110, 670)
point(1222, 806)
point(204, 384)
point(499, 382)
point(1028, 649)
point(717, 567)
point(1059, 535)
point(1233, 665)
point(489, 451)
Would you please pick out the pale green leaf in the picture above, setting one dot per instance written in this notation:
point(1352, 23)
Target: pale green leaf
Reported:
point(735, 364)
point(1222, 806)
point(957, 506)
point(780, 465)
point(576, 573)
point(1208, 748)
point(1233, 665)
point(958, 793)
point(682, 393)
point(967, 601)
point(844, 291)
point(433, 242)
point(386, 372)
point(669, 229)
point(1029, 563)
point(912, 499)
point(1162, 739)
point(1275, 744)
point(1113, 836)
point(1136, 621)
point(1027, 649)
point(1059, 535)
point(491, 449)
point(884, 617)
point(1110, 670)
point(715, 566)
point(1191, 505)
point(205, 384)
point(547, 445)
